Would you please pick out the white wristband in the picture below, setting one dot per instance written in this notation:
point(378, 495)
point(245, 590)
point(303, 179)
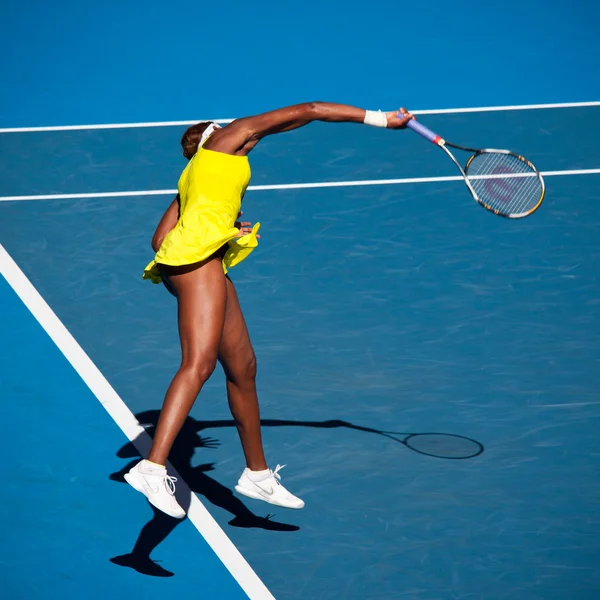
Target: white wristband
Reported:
point(376, 118)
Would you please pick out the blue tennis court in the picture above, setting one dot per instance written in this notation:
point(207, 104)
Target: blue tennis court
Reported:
point(381, 298)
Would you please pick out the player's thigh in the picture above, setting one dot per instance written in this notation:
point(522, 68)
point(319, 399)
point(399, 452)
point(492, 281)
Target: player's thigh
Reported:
point(236, 353)
point(202, 299)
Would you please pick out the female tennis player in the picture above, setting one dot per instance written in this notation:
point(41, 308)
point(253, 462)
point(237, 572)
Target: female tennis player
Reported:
point(196, 242)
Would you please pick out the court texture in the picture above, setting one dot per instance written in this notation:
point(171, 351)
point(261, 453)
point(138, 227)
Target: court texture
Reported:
point(381, 299)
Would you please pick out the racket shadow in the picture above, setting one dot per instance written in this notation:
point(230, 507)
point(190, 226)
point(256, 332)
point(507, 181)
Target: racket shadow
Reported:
point(449, 446)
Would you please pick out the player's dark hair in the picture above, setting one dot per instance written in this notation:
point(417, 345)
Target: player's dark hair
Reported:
point(191, 138)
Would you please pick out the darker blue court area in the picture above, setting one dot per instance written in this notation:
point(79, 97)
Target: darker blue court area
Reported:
point(403, 308)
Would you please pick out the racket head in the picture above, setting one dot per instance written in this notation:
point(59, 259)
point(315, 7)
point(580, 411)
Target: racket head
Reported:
point(505, 183)
point(444, 445)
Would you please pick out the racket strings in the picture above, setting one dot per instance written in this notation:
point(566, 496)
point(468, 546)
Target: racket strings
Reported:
point(505, 183)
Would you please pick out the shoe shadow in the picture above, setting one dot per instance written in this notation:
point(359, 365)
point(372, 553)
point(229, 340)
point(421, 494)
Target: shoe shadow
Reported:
point(151, 535)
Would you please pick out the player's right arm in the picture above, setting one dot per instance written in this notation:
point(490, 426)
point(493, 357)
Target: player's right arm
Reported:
point(240, 136)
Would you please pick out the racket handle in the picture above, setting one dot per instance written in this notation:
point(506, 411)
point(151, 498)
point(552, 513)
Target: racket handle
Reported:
point(425, 132)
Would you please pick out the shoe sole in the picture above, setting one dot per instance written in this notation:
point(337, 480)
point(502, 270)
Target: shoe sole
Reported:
point(134, 484)
point(250, 494)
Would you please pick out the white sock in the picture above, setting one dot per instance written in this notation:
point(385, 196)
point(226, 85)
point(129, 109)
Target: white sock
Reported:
point(151, 467)
point(258, 475)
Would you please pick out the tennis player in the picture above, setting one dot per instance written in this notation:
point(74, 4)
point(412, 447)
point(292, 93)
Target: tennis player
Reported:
point(197, 240)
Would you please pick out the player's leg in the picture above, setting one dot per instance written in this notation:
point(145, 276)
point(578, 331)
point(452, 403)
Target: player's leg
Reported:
point(239, 363)
point(201, 296)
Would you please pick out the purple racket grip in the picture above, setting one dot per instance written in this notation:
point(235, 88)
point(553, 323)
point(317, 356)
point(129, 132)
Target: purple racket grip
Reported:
point(422, 130)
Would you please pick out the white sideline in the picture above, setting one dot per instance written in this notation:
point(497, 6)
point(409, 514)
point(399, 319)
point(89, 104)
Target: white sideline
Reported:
point(118, 410)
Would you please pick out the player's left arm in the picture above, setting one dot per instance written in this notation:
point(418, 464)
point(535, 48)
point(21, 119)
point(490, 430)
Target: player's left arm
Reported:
point(168, 221)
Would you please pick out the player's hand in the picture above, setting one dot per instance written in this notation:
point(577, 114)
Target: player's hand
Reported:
point(245, 227)
point(398, 119)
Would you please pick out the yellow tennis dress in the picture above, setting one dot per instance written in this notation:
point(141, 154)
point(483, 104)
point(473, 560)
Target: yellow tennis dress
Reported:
point(210, 188)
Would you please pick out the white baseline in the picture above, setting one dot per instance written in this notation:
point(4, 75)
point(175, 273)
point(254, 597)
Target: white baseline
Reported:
point(283, 186)
point(433, 111)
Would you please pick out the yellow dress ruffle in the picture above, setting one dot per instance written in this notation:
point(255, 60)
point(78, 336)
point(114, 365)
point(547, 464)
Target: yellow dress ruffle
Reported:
point(239, 249)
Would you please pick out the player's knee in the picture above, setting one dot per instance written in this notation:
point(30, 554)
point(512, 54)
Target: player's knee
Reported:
point(243, 371)
point(200, 369)
point(250, 367)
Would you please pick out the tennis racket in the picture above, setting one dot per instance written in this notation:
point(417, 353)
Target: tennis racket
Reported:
point(501, 181)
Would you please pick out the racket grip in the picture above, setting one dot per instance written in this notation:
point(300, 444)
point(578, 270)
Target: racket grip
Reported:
point(424, 131)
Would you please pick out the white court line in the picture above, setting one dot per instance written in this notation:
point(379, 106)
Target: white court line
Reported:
point(288, 186)
point(117, 409)
point(434, 111)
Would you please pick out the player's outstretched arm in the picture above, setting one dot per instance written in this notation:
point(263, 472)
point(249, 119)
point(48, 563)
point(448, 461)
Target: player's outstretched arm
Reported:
point(241, 135)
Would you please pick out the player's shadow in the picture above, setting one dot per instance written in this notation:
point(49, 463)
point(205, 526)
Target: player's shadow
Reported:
point(198, 480)
point(448, 446)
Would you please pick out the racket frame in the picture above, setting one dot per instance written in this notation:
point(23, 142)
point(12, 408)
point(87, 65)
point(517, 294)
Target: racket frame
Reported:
point(443, 144)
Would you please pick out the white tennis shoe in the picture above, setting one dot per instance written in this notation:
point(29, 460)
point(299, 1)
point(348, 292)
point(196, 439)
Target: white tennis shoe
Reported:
point(267, 488)
point(157, 486)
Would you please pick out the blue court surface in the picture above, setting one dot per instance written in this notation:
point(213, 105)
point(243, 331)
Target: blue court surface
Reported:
point(381, 299)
